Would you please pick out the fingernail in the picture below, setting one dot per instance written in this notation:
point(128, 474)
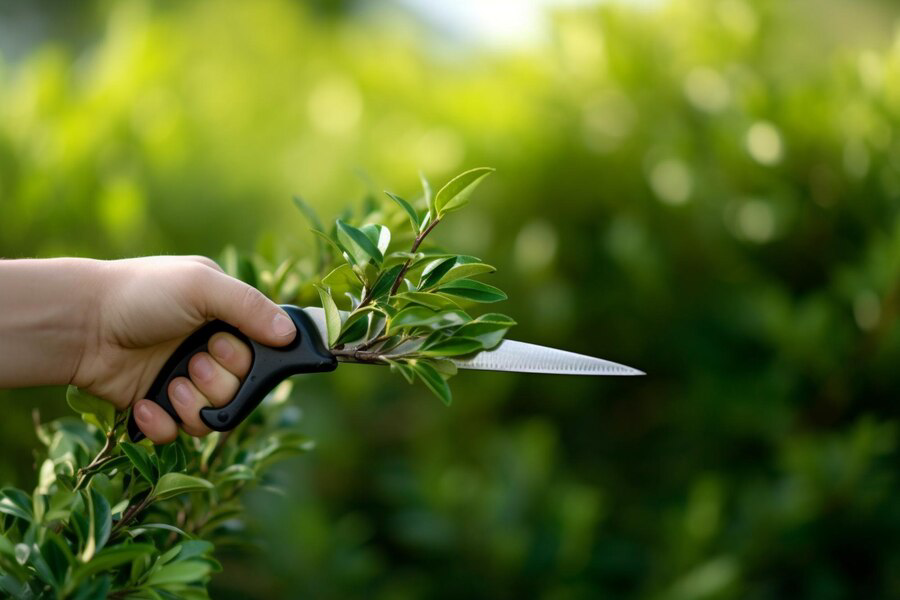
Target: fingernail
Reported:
point(201, 368)
point(282, 325)
point(222, 348)
point(182, 395)
point(142, 413)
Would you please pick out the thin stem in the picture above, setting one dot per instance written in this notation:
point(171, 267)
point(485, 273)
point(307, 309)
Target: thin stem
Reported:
point(373, 341)
point(373, 357)
point(366, 299)
point(132, 511)
point(102, 457)
point(408, 262)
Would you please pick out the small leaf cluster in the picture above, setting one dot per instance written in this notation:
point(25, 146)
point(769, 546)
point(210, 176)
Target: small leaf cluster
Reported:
point(110, 518)
point(405, 306)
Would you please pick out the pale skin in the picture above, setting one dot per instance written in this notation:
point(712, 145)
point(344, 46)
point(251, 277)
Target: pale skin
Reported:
point(109, 326)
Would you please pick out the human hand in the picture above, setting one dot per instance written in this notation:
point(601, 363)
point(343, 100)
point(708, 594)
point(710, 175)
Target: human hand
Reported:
point(144, 309)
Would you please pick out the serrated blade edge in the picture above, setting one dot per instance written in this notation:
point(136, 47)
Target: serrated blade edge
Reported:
point(520, 357)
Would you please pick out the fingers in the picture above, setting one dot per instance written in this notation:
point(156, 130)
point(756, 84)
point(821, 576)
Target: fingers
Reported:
point(188, 401)
point(231, 353)
point(156, 424)
point(212, 379)
point(248, 309)
point(215, 379)
point(203, 260)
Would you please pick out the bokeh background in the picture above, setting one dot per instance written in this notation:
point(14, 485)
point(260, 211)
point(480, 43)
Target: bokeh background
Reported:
point(708, 190)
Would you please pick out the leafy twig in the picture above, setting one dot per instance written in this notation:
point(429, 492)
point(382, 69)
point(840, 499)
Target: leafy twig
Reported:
point(132, 511)
point(415, 246)
point(102, 457)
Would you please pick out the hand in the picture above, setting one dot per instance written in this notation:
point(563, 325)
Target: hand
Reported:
point(144, 309)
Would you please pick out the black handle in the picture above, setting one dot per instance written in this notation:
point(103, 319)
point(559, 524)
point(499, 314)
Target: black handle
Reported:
point(306, 354)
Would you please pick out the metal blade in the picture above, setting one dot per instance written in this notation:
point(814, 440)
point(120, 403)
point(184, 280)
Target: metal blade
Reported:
point(521, 357)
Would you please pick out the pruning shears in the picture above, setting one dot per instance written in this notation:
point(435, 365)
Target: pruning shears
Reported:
point(307, 353)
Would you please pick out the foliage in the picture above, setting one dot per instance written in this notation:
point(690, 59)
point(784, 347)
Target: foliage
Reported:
point(110, 518)
point(405, 306)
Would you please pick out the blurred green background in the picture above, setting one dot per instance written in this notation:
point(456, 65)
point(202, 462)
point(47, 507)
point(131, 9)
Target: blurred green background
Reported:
point(708, 190)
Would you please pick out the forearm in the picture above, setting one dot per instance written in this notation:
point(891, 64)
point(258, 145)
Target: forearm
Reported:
point(46, 310)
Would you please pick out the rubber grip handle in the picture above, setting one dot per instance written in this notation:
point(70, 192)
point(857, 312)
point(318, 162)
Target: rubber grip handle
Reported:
point(305, 354)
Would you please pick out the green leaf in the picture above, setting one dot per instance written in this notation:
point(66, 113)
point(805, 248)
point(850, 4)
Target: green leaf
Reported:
point(378, 235)
point(385, 281)
point(445, 367)
point(15, 502)
point(461, 271)
point(236, 473)
point(355, 330)
point(194, 548)
point(172, 457)
point(456, 271)
point(426, 192)
point(473, 290)
point(96, 589)
point(455, 346)
point(413, 215)
point(93, 410)
point(6, 547)
point(163, 526)
point(433, 380)
point(489, 329)
point(495, 319)
point(377, 323)
point(173, 484)
point(13, 585)
point(432, 301)
point(332, 243)
point(405, 370)
point(342, 276)
point(455, 194)
point(420, 316)
point(57, 555)
point(108, 559)
point(43, 570)
point(332, 316)
point(358, 244)
point(99, 523)
point(140, 458)
point(435, 271)
point(189, 571)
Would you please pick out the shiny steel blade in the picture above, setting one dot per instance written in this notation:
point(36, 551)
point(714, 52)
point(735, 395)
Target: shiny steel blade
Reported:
point(523, 357)
point(520, 357)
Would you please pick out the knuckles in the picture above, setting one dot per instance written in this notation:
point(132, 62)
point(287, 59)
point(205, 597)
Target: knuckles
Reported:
point(205, 261)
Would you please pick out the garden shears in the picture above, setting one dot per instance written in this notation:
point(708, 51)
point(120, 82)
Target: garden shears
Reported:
point(307, 353)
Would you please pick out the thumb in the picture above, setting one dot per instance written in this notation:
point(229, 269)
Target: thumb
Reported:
point(243, 306)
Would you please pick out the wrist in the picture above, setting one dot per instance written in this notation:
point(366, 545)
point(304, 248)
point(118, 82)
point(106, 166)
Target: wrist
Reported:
point(48, 309)
point(87, 281)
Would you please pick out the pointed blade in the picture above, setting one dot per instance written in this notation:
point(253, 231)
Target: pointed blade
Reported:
point(520, 357)
point(523, 357)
